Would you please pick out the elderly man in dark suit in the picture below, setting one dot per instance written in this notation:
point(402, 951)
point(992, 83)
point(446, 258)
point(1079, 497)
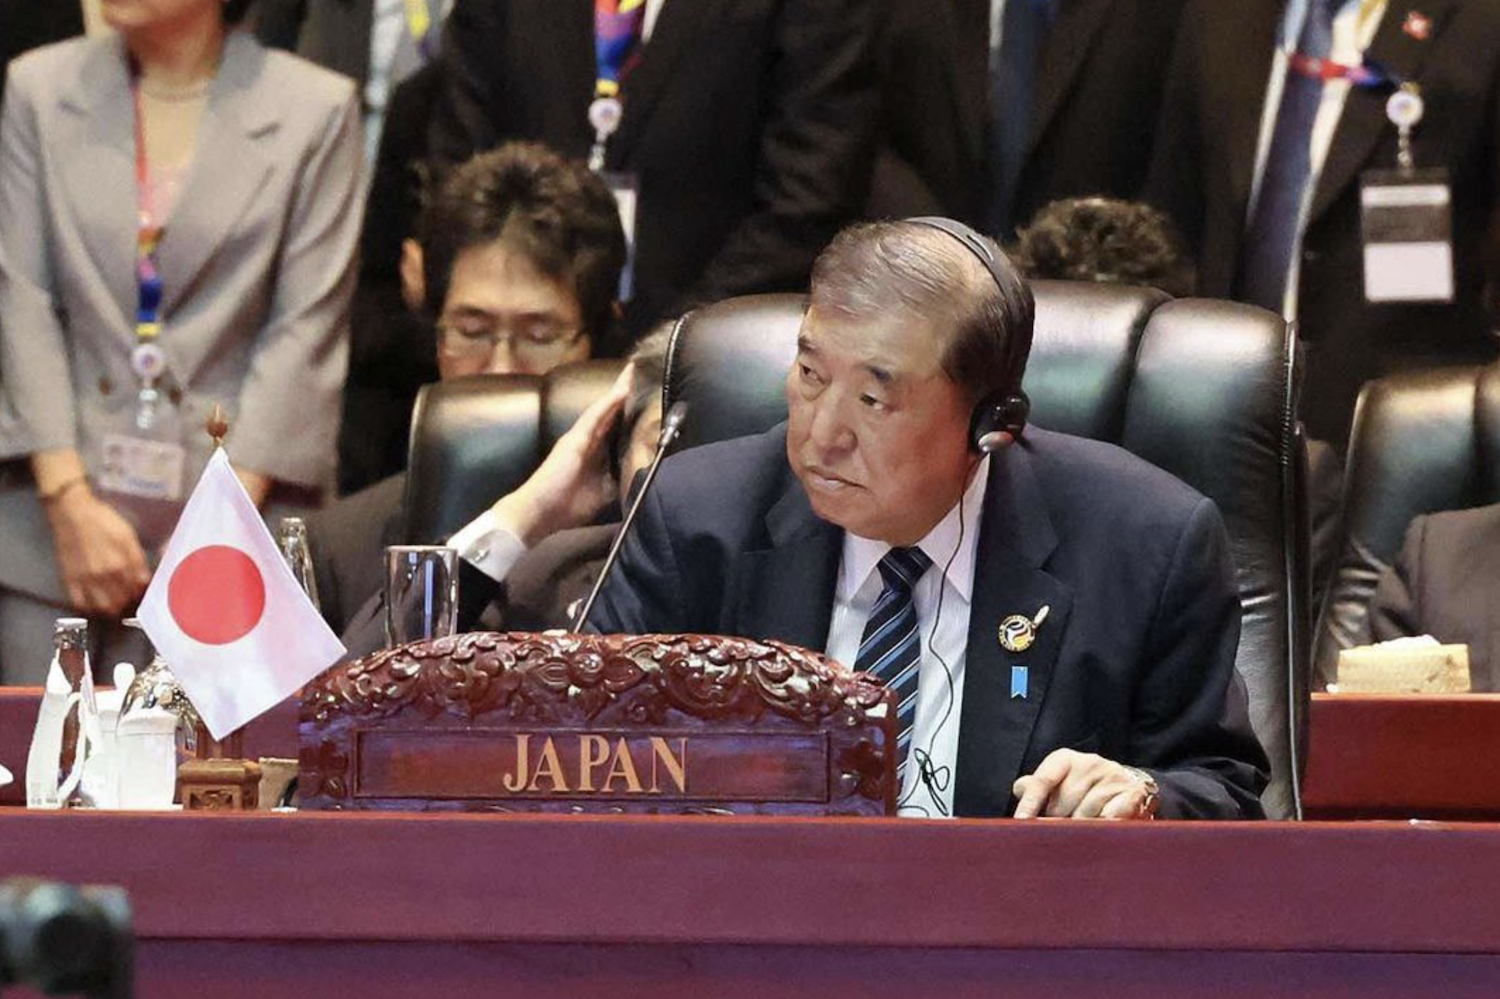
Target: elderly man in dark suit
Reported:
point(1058, 619)
point(747, 127)
point(1274, 112)
point(1446, 584)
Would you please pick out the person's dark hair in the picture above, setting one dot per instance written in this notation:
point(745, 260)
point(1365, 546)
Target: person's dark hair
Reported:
point(1107, 240)
point(878, 267)
point(235, 10)
point(555, 212)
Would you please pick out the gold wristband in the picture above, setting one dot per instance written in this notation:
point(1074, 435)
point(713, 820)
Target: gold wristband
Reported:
point(1149, 785)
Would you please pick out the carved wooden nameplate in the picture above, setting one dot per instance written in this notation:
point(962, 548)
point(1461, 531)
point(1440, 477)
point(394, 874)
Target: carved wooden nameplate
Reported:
point(598, 723)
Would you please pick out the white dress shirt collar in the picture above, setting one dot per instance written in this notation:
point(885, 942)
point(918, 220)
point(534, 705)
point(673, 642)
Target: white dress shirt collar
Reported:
point(945, 544)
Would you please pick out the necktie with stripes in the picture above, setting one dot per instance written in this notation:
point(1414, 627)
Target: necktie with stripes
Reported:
point(1275, 229)
point(892, 645)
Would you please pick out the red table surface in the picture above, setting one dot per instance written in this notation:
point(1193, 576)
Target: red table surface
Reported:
point(1387, 756)
point(400, 905)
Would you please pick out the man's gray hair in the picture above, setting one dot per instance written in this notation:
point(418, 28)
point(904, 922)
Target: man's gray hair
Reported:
point(875, 268)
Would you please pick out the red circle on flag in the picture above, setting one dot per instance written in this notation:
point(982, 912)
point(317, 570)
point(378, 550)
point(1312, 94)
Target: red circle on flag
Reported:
point(216, 595)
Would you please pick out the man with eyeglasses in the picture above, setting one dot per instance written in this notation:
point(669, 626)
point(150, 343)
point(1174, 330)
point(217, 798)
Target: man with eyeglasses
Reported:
point(516, 264)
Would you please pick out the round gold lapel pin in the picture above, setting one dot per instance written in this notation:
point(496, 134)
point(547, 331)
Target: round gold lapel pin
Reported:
point(1017, 633)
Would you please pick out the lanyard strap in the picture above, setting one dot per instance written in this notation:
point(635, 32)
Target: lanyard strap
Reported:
point(617, 36)
point(148, 233)
point(419, 27)
point(1366, 74)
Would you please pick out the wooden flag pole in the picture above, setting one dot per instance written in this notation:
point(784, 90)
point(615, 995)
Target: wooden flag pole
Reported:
point(219, 779)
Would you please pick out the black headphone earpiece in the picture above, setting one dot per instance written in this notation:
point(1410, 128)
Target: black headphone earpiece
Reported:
point(998, 420)
point(1000, 417)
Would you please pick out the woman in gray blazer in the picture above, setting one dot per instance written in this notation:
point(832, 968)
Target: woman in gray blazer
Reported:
point(179, 214)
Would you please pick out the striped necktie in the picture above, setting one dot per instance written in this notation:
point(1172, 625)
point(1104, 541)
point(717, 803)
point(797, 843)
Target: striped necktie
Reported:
point(892, 645)
point(1274, 232)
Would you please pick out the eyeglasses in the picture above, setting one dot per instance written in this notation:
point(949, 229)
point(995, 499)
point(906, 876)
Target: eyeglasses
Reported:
point(532, 340)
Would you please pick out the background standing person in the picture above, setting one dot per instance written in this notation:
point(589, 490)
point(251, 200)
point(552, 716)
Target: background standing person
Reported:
point(1274, 117)
point(179, 211)
point(744, 128)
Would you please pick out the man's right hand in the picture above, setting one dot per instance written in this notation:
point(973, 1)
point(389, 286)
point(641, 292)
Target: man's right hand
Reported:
point(99, 556)
point(573, 483)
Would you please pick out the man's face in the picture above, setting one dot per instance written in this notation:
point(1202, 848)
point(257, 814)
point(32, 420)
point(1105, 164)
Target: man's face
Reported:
point(877, 433)
point(503, 316)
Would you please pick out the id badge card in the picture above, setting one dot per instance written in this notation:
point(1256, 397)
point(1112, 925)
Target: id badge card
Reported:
point(1406, 223)
point(626, 189)
point(135, 466)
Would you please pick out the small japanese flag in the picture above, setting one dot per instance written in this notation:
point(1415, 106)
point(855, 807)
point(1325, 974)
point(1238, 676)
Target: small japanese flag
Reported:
point(226, 613)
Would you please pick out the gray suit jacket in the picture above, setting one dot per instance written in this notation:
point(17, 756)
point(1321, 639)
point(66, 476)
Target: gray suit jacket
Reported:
point(1445, 584)
point(258, 259)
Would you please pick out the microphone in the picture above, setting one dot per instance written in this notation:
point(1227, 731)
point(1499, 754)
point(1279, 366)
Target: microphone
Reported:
point(671, 425)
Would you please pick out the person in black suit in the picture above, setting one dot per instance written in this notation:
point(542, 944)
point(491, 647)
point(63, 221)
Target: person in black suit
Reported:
point(391, 353)
point(1059, 619)
point(748, 124)
point(27, 24)
point(1214, 150)
point(1445, 584)
point(1097, 73)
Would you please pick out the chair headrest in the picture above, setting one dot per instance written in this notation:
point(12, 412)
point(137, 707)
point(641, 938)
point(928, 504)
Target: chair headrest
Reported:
point(478, 437)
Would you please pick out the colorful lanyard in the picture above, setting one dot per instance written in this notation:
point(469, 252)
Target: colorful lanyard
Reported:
point(617, 35)
point(419, 26)
point(1366, 74)
point(147, 359)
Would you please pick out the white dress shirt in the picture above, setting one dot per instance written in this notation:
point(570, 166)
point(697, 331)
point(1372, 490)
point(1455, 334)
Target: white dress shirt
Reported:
point(487, 546)
point(1354, 25)
point(951, 545)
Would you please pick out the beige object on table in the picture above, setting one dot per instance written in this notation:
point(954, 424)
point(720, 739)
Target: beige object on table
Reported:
point(275, 776)
point(1404, 666)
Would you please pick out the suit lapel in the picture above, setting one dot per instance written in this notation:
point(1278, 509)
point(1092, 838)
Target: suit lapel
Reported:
point(786, 591)
point(229, 168)
point(1363, 121)
point(1078, 24)
point(98, 174)
point(1015, 539)
point(677, 29)
point(1245, 80)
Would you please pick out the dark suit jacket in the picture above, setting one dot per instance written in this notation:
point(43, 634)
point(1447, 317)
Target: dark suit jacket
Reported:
point(1097, 94)
point(1204, 168)
point(1135, 660)
point(28, 24)
point(1446, 584)
point(332, 33)
point(750, 124)
point(392, 353)
point(347, 540)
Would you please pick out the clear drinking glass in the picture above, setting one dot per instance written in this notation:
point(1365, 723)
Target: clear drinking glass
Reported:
point(421, 593)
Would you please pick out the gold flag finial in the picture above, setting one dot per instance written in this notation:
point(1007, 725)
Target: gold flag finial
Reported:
point(217, 426)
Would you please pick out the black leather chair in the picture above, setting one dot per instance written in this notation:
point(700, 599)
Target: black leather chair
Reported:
point(474, 439)
point(1420, 443)
point(1205, 390)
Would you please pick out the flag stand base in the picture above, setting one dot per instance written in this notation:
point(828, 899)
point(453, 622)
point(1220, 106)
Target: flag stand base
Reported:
point(219, 780)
